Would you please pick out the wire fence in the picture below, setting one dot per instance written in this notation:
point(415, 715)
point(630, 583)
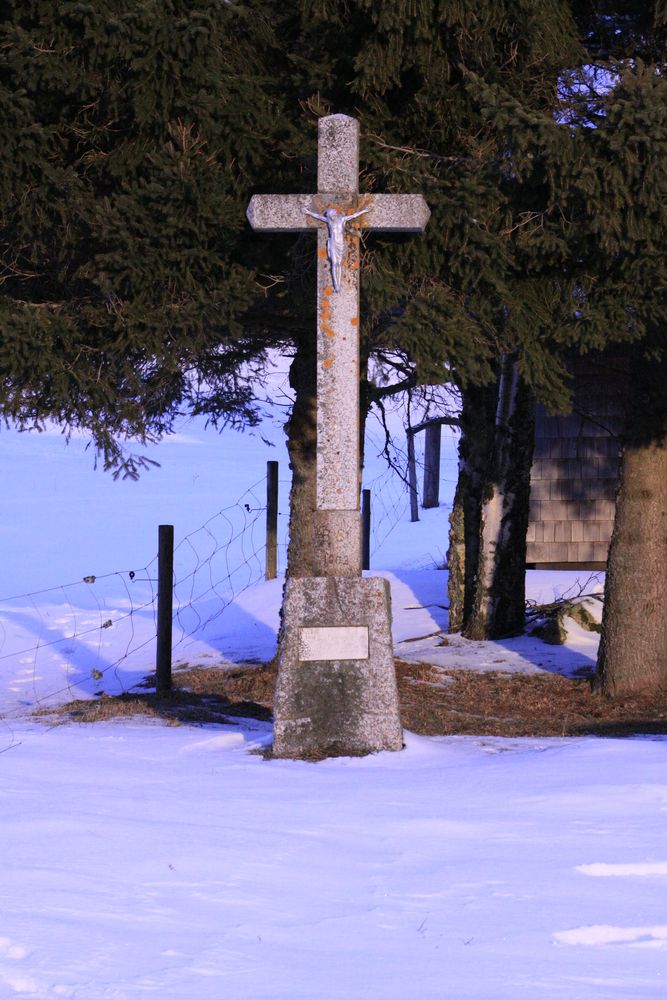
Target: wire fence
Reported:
point(97, 635)
point(390, 490)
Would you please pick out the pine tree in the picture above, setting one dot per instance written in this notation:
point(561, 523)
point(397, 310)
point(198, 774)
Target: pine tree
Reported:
point(130, 131)
point(590, 251)
point(136, 133)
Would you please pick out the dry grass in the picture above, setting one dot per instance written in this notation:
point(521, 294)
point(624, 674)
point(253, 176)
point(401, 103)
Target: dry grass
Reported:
point(439, 702)
point(434, 702)
point(200, 695)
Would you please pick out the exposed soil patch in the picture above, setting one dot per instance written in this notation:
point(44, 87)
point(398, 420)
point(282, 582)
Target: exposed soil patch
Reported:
point(434, 702)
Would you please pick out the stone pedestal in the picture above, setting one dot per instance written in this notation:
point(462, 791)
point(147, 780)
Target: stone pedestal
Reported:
point(336, 693)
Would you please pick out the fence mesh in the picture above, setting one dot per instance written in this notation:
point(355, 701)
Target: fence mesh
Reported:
point(97, 635)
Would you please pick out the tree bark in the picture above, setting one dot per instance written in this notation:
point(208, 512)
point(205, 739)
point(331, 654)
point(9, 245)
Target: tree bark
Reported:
point(498, 607)
point(456, 561)
point(305, 555)
point(301, 429)
point(478, 405)
point(632, 658)
point(498, 602)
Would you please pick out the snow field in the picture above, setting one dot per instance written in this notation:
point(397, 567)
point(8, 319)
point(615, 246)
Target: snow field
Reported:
point(143, 860)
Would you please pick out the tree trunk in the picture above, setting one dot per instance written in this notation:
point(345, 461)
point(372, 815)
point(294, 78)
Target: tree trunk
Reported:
point(301, 429)
point(305, 556)
point(456, 561)
point(475, 445)
point(498, 606)
point(632, 658)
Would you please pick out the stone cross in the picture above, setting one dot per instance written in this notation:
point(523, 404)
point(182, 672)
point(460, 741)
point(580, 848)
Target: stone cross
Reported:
point(338, 210)
point(336, 690)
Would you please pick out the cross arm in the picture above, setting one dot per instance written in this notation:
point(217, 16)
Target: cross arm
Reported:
point(397, 213)
point(274, 213)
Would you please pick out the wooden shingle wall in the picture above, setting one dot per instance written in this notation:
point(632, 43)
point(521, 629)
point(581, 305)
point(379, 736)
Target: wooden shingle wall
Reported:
point(575, 475)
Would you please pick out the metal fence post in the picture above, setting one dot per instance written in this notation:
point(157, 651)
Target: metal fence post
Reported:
point(412, 476)
point(366, 529)
point(432, 465)
point(271, 520)
point(165, 592)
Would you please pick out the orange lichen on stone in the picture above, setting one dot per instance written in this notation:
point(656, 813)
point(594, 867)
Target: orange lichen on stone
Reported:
point(352, 256)
point(327, 290)
point(355, 321)
point(328, 362)
point(322, 253)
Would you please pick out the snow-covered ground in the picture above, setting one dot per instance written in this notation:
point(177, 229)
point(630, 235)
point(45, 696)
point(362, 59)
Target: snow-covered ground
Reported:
point(140, 859)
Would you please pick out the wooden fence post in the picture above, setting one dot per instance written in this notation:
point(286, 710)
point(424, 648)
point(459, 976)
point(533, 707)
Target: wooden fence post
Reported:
point(412, 476)
point(271, 520)
point(366, 529)
point(432, 465)
point(165, 592)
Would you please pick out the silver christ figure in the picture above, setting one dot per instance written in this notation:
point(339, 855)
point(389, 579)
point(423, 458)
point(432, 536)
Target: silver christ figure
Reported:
point(336, 222)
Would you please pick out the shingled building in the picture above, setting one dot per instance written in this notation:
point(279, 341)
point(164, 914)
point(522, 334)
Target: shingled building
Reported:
point(575, 472)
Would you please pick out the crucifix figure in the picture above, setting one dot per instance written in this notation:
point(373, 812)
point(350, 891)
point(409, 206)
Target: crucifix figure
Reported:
point(336, 223)
point(336, 690)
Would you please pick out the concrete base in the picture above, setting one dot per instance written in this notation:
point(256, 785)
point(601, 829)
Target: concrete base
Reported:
point(336, 693)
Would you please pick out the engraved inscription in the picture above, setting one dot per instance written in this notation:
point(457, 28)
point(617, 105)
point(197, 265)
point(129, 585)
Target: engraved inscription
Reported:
point(336, 643)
